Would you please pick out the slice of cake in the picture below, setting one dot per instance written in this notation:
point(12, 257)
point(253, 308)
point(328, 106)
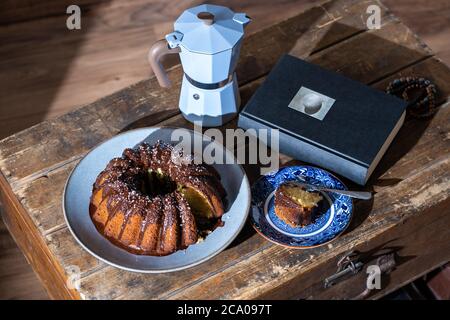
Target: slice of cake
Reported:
point(295, 205)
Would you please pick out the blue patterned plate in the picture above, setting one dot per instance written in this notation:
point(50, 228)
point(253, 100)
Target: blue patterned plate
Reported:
point(332, 216)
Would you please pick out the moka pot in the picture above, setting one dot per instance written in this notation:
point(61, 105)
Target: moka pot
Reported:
point(208, 39)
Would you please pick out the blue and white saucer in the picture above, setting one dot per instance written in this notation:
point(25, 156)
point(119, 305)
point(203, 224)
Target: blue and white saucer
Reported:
point(333, 215)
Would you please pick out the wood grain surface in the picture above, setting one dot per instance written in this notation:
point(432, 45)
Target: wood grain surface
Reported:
point(332, 35)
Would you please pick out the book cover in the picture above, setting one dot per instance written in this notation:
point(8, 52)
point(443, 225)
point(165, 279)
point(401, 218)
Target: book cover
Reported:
point(325, 118)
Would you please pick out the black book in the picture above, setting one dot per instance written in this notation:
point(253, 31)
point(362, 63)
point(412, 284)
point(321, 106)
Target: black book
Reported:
point(325, 118)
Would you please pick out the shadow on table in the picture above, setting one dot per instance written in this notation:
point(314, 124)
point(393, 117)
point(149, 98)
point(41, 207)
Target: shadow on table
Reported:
point(43, 49)
point(378, 256)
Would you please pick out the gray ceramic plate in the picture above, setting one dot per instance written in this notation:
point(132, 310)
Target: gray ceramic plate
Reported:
point(78, 191)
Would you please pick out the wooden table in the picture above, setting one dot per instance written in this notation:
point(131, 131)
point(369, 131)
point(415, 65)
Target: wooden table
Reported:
point(409, 214)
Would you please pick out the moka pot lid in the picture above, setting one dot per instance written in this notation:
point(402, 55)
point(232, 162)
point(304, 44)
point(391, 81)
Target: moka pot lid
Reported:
point(208, 29)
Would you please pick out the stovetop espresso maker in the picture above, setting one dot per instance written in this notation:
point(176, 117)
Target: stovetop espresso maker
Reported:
point(208, 39)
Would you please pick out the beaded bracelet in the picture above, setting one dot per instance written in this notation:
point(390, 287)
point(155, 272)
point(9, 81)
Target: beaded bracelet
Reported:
point(420, 93)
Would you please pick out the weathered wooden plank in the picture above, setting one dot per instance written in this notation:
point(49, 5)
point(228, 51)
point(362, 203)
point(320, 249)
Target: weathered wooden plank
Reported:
point(416, 145)
point(51, 143)
point(341, 25)
point(56, 142)
point(359, 57)
point(409, 241)
point(17, 278)
point(421, 257)
point(30, 241)
point(42, 198)
point(318, 28)
point(64, 248)
point(155, 286)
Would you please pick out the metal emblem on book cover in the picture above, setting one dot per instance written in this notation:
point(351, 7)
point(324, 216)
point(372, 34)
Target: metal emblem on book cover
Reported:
point(312, 103)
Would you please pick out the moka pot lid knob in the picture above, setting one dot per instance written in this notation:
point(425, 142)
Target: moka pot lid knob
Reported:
point(209, 29)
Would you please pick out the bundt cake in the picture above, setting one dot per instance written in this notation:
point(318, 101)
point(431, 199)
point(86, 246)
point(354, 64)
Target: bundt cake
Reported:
point(295, 205)
point(150, 204)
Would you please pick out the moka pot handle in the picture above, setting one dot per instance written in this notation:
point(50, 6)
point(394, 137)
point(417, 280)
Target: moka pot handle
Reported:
point(159, 49)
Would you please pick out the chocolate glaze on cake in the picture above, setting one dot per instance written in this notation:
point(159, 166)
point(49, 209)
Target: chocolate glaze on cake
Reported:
point(147, 203)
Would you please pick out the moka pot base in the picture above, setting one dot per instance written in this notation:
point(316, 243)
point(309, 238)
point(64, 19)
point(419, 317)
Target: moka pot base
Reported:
point(209, 107)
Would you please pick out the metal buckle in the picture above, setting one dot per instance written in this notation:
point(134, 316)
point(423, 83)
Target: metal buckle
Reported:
point(348, 264)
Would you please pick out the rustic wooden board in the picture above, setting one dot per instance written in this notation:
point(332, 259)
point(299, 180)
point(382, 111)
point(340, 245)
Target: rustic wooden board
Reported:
point(36, 163)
